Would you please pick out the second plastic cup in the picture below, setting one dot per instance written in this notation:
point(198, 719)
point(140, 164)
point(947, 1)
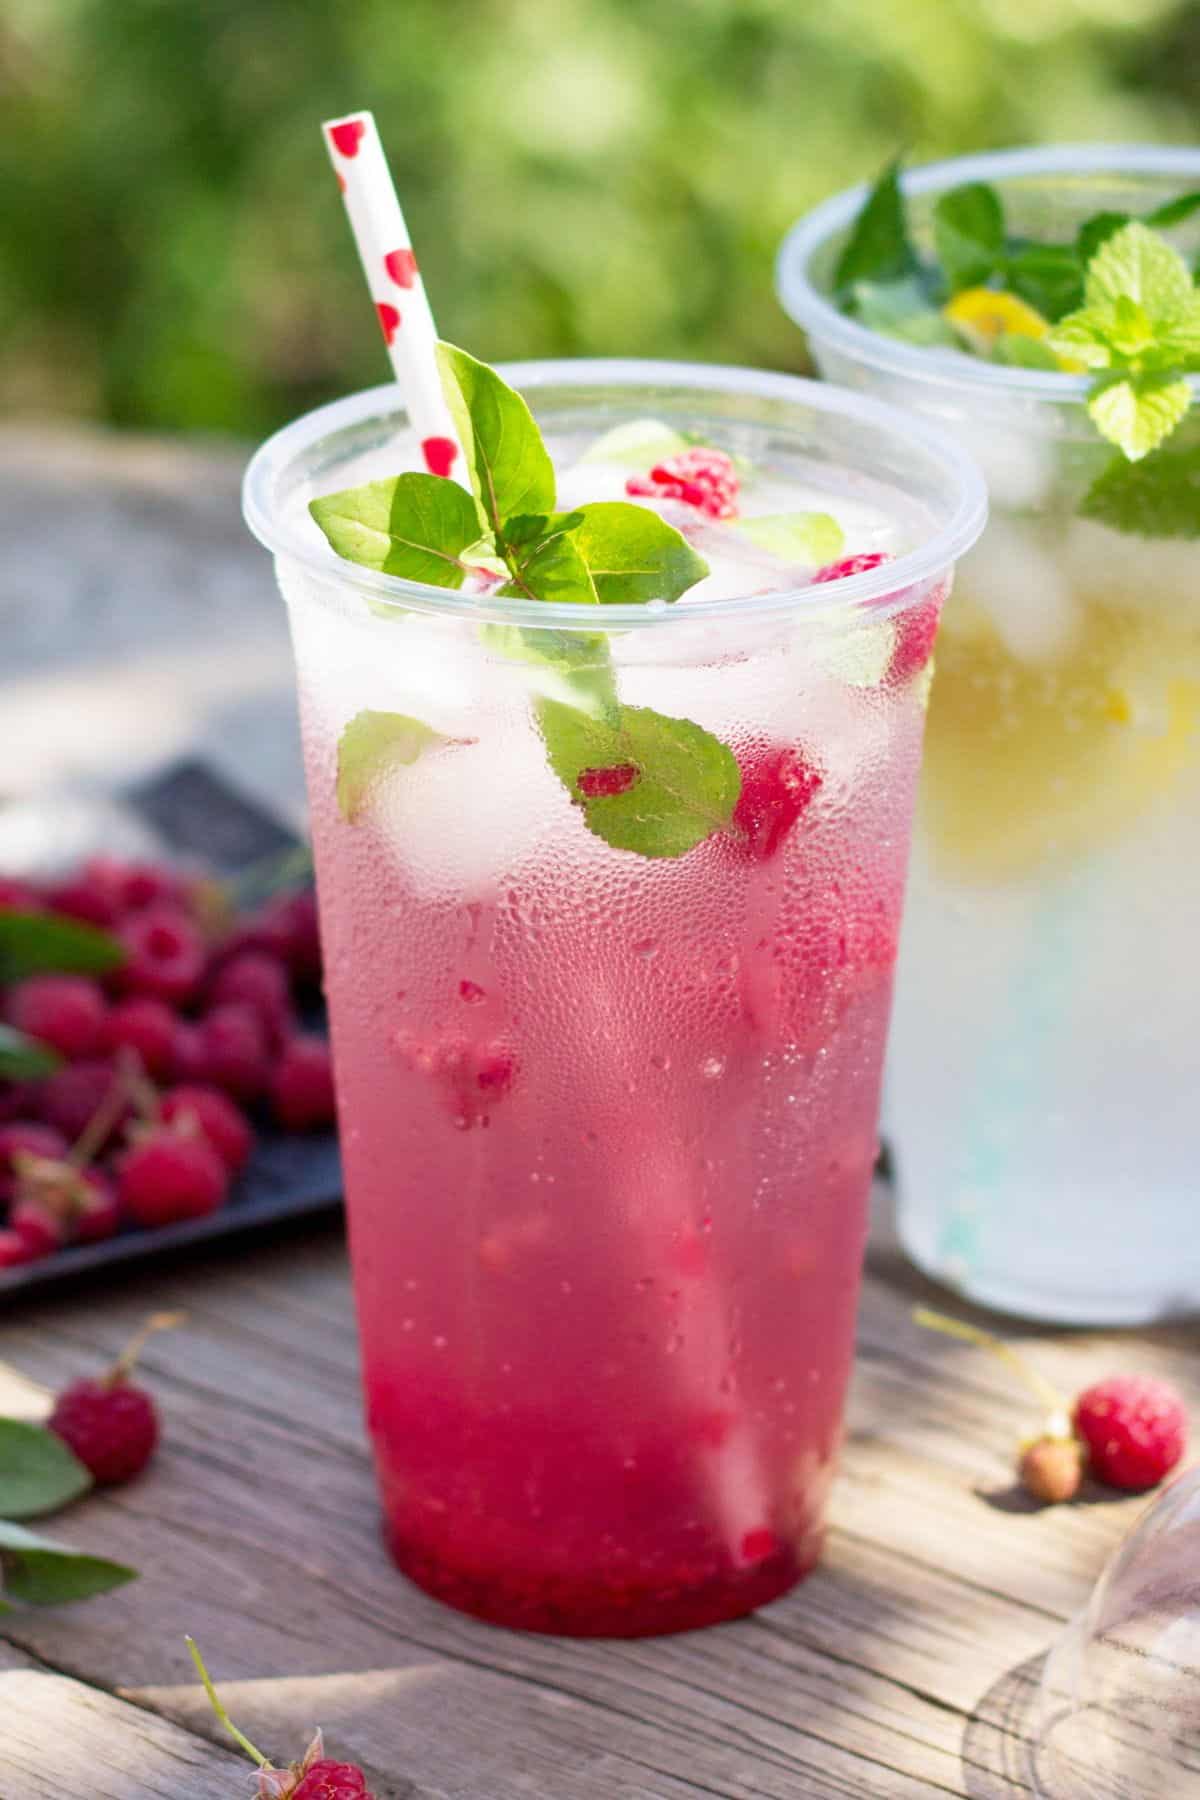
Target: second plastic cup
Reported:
point(608, 1119)
point(1045, 1058)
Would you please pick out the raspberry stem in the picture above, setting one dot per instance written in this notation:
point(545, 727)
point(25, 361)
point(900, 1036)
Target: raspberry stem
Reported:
point(98, 1128)
point(971, 1334)
point(238, 1737)
point(122, 1369)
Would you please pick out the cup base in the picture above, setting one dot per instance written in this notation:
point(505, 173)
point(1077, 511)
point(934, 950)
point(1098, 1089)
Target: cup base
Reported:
point(588, 1605)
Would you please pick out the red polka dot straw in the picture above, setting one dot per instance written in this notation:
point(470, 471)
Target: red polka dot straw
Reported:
point(395, 283)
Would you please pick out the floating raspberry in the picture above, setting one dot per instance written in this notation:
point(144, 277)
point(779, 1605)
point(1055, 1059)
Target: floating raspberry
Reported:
point(235, 1053)
point(599, 784)
point(147, 1027)
point(705, 479)
point(210, 1114)
point(302, 1090)
point(64, 1011)
point(916, 633)
point(259, 980)
point(778, 783)
point(851, 565)
point(165, 955)
point(1135, 1430)
point(168, 1176)
point(314, 1777)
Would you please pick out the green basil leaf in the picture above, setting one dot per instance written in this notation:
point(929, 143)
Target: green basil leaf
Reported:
point(413, 525)
point(41, 943)
point(509, 466)
point(40, 1572)
point(370, 747)
point(633, 555)
point(24, 1058)
point(38, 1473)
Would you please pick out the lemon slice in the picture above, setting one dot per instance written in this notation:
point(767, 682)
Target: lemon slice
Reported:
point(984, 315)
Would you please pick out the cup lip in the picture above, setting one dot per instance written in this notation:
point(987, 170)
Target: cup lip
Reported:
point(818, 316)
point(937, 554)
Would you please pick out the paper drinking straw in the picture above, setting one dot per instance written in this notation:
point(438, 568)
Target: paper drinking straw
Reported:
point(395, 284)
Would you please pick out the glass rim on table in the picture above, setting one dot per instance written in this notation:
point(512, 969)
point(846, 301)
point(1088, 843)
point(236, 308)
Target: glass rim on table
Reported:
point(809, 307)
point(867, 594)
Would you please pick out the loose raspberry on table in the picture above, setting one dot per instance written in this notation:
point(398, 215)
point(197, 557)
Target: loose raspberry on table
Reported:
point(1135, 1430)
point(67, 1012)
point(778, 784)
point(302, 1091)
point(147, 1027)
point(259, 980)
point(326, 1780)
point(851, 565)
point(235, 1053)
point(212, 1115)
point(167, 1176)
point(705, 479)
point(165, 955)
point(110, 1425)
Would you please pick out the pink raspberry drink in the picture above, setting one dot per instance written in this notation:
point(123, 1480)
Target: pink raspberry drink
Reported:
point(609, 911)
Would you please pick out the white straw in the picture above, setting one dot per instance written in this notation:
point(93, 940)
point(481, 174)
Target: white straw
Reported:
point(395, 284)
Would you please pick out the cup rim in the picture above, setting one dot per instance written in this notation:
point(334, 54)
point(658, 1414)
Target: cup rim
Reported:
point(817, 315)
point(956, 533)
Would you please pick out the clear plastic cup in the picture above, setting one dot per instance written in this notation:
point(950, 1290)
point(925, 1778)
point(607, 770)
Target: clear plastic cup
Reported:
point(1118, 1710)
point(608, 1121)
point(1044, 1058)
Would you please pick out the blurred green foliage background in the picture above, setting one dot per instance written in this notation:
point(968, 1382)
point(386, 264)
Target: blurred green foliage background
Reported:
point(580, 176)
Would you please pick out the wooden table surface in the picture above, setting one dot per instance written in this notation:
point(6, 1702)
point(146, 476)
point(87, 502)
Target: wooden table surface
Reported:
point(903, 1667)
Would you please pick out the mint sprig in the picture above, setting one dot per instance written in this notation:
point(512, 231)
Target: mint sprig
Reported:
point(677, 782)
point(1139, 328)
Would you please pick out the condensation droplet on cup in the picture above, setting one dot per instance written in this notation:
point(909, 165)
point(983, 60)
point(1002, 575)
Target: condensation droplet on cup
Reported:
point(712, 1068)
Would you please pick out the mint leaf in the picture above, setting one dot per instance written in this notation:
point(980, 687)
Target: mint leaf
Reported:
point(42, 1573)
point(641, 441)
point(902, 309)
point(1096, 231)
point(677, 783)
point(879, 247)
point(1048, 277)
point(1136, 265)
point(1020, 352)
point(808, 537)
point(413, 525)
point(41, 943)
point(1157, 498)
point(1173, 212)
point(509, 466)
point(38, 1474)
point(968, 234)
point(23, 1058)
point(1136, 412)
point(633, 555)
point(370, 747)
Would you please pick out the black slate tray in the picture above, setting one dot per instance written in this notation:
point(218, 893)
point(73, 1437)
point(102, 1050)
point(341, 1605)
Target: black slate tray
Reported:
point(192, 813)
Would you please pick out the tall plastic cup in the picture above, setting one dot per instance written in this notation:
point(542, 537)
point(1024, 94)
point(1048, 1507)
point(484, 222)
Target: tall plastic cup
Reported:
point(1045, 1057)
point(608, 1119)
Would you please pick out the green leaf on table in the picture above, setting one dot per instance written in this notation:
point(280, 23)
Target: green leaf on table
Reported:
point(879, 247)
point(1048, 277)
point(413, 525)
point(1158, 497)
point(43, 943)
point(508, 464)
point(544, 561)
point(647, 783)
point(640, 441)
point(633, 555)
point(807, 537)
point(968, 234)
point(370, 747)
point(38, 1473)
point(40, 1572)
point(902, 309)
point(1136, 412)
point(24, 1058)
